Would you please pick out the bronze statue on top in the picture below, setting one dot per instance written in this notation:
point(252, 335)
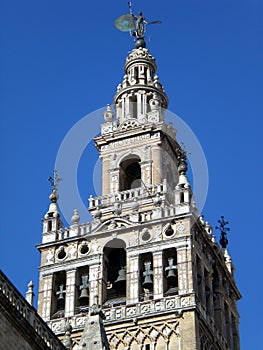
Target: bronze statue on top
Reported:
point(136, 25)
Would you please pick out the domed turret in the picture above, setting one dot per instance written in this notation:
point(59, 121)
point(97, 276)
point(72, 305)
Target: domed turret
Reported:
point(139, 88)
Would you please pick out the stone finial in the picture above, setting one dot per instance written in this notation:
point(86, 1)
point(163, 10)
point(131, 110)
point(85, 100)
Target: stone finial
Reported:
point(182, 164)
point(54, 195)
point(117, 207)
point(97, 213)
point(67, 341)
point(108, 114)
point(75, 218)
point(157, 200)
point(30, 293)
point(155, 102)
point(223, 231)
point(135, 205)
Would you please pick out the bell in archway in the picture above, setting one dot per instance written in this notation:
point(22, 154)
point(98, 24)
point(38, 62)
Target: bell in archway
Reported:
point(84, 292)
point(147, 282)
point(121, 277)
point(120, 283)
point(171, 272)
point(61, 297)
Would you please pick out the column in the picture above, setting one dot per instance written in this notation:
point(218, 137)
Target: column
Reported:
point(158, 274)
point(218, 301)
point(209, 294)
point(146, 172)
point(45, 296)
point(70, 292)
point(183, 263)
point(157, 164)
point(105, 175)
point(132, 274)
point(141, 75)
point(114, 180)
point(139, 104)
point(95, 283)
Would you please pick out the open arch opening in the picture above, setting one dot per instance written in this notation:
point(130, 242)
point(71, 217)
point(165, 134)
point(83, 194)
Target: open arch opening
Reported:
point(130, 174)
point(114, 272)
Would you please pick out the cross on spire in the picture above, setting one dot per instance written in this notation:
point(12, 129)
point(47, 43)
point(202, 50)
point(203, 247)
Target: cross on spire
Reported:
point(54, 180)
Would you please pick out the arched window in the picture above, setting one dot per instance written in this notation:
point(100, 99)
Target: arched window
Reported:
point(146, 274)
point(59, 296)
point(170, 272)
point(130, 174)
point(114, 272)
point(82, 291)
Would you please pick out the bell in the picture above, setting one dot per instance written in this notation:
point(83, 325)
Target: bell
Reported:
point(83, 294)
point(122, 276)
point(60, 293)
point(61, 297)
point(147, 283)
point(171, 272)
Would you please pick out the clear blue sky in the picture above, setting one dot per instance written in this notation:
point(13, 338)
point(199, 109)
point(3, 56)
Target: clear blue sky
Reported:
point(61, 60)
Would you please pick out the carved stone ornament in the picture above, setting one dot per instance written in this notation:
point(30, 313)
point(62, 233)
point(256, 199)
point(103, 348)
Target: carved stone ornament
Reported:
point(84, 248)
point(146, 236)
point(61, 253)
point(140, 53)
point(50, 257)
point(72, 251)
point(180, 228)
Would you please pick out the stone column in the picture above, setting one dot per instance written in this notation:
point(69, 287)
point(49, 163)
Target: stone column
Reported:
point(157, 165)
point(139, 104)
point(141, 75)
point(105, 175)
point(158, 274)
point(114, 180)
point(70, 292)
point(146, 172)
point(209, 294)
point(45, 296)
point(218, 303)
point(95, 283)
point(183, 270)
point(227, 323)
point(132, 283)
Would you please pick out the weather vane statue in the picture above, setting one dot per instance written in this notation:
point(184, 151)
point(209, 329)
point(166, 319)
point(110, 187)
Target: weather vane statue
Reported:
point(136, 25)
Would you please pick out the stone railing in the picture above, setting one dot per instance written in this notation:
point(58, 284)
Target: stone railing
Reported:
point(175, 304)
point(140, 192)
point(9, 294)
point(155, 213)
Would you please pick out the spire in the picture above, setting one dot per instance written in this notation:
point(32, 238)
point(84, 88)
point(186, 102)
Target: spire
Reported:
point(140, 96)
point(52, 222)
point(223, 231)
point(67, 340)
point(94, 336)
point(224, 242)
point(53, 208)
point(182, 165)
point(30, 294)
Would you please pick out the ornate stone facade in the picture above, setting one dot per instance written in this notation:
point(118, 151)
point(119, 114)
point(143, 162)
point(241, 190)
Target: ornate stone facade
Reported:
point(148, 256)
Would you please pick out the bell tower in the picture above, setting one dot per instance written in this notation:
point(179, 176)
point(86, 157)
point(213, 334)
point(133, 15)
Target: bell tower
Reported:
point(148, 260)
